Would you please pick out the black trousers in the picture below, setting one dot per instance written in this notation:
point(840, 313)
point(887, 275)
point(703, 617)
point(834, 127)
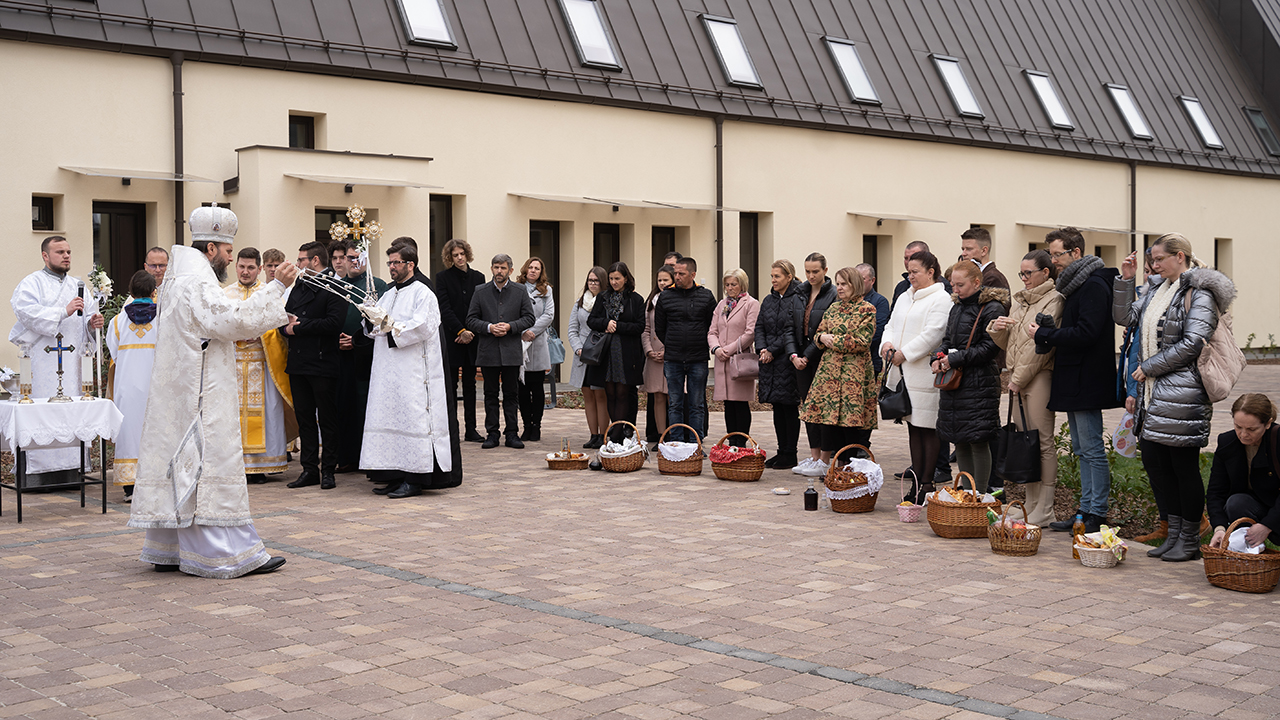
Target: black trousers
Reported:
point(468, 393)
point(835, 437)
point(651, 433)
point(623, 401)
point(737, 418)
point(504, 379)
point(352, 400)
point(315, 400)
point(533, 398)
point(786, 426)
point(1175, 478)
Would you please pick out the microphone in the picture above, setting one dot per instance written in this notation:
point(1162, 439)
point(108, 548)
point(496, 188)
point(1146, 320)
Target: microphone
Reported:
point(80, 294)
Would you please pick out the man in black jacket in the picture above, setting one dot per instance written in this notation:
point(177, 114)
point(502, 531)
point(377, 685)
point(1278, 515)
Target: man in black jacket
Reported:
point(682, 319)
point(315, 322)
point(499, 312)
point(456, 284)
point(1084, 368)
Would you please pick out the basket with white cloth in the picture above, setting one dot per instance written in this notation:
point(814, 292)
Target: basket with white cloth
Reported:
point(854, 487)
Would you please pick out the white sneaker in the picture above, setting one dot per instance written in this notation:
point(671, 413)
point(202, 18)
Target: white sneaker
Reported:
point(816, 469)
point(803, 464)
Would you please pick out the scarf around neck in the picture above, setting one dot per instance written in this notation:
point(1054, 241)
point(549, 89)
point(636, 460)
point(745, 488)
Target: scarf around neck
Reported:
point(1152, 319)
point(1074, 275)
point(588, 301)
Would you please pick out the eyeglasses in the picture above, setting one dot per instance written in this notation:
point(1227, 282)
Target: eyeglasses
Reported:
point(1060, 254)
point(151, 266)
point(393, 263)
point(1024, 274)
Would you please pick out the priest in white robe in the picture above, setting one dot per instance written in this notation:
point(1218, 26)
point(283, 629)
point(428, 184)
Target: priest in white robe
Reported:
point(191, 495)
point(47, 303)
point(261, 382)
point(131, 340)
point(406, 427)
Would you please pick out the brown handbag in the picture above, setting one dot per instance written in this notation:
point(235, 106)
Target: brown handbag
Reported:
point(950, 379)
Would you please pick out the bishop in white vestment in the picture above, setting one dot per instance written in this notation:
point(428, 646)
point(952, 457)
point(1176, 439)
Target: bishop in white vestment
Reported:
point(131, 340)
point(406, 427)
point(191, 494)
point(45, 304)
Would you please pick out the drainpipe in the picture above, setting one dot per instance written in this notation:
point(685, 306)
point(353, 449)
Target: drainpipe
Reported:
point(719, 198)
point(1133, 206)
point(178, 185)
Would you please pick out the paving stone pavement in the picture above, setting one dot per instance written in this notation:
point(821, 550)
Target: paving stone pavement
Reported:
point(530, 593)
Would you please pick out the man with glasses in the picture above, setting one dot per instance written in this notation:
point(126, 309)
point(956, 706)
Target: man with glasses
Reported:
point(1084, 370)
point(355, 353)
point(157, 263)
point(500, 311)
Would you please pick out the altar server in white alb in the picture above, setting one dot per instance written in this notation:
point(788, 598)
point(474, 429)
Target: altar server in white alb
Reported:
point(191, 494)
point(48, 302)
point(260, 381)
point(131, 340)
point(406, 428)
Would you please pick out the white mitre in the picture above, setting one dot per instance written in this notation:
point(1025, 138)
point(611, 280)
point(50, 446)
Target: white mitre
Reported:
point(213, 224)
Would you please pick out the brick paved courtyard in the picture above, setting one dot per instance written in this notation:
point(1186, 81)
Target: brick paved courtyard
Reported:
point(527, 593)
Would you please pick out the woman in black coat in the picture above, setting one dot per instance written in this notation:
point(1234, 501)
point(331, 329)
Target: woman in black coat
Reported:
point(619, 313)
point(815, 295)
point(775, 341)
point(1243, 481)
point(970, 415)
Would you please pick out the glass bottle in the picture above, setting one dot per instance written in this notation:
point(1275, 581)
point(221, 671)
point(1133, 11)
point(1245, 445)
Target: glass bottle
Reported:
point(1077, 529)
point(810, 497)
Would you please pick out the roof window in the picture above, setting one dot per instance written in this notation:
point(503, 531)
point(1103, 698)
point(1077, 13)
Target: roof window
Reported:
point(1049, 99)
point(426, 22)
point(1200, 119)
point(1259, 121)
point(1123, 99)
point(731, 51)
point(957, 86)
point(852, 71)
point(585, 19)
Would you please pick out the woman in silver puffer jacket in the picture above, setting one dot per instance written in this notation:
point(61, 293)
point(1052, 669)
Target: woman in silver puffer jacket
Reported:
point(1172, 322)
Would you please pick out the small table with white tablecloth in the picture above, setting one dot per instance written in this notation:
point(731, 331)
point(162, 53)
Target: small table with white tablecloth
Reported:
point(55, 425)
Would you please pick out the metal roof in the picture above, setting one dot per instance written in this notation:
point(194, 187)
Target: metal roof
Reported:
point(1159, 49)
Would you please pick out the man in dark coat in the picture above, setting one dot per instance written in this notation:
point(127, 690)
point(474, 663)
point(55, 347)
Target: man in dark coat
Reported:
point(500, 311)
point(314, 366)
point(881, 304)
point(1084, 368)
point(355, 352)
point(457, 283)
point(682, 319)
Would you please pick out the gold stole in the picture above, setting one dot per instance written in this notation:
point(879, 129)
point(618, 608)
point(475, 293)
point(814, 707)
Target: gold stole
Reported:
point(251, 370)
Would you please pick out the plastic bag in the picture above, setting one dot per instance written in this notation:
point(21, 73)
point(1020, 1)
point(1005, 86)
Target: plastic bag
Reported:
point(1123, 439)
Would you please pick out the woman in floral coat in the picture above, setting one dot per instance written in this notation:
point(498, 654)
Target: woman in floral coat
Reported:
point(843, 397)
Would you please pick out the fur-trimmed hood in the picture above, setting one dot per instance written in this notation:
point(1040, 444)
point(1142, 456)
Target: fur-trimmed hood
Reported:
point(1208, 279)
point(986, 294)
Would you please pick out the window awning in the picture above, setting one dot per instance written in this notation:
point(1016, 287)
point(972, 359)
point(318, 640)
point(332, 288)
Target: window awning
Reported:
point(136, 174)
point(649, 204)
point(1083, 228)
point(334, 180)
point(891, 216)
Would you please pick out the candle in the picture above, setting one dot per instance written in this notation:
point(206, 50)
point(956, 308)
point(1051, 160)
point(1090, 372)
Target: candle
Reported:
point(24, 374)
point(87, 361)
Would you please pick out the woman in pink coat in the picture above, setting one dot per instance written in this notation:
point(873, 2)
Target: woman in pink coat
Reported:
point(733, 332)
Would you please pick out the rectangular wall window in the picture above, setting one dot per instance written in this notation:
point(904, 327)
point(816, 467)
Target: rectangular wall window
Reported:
point(1258, 119)
point(852, 71)
point(544, 244)
point(302, 132)
point(1200, 120)
point(426, 22)
point(41, 213)
point(1128, 108)
point(957, 86)
point(749, 250)
point(731, 51)
point(664, 241)
point(1222, 259)
point(585, 19)
point(1049, 100)
point(871, 255)
point(441, 232)
point(606, 244)
point(324, 220)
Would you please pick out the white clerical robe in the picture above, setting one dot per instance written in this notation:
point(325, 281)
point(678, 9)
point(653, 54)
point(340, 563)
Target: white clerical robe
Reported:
point(133, 352)
point(40, 306)
point(262, 431)
point(406, 424)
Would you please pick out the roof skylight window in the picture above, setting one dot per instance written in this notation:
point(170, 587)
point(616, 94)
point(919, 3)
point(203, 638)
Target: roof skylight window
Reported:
point(427, 23)
point(957, 86)
point(1200, 119)
point(585, 19)
point(1049, 99)
point(731, 51)
point(852, 71)
point(1123, 99)
point(1259, 121)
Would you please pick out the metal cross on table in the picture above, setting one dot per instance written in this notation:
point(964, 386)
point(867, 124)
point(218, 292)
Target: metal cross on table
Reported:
point(59, 348)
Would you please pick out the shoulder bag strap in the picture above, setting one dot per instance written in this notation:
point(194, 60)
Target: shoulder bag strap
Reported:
point(976, 320)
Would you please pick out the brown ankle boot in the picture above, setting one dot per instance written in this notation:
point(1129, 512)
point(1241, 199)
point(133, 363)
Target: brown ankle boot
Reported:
point(1159, 534)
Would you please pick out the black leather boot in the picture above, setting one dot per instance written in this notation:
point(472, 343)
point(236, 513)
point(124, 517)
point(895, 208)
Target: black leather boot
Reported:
point(1175, 527)
point(1187, 546)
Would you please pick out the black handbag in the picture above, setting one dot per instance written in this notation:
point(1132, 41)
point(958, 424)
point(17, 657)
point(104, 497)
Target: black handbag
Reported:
point(1017, 457)
point(895, 403)
point(593, 348)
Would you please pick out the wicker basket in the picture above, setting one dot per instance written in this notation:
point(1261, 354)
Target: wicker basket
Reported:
point(908, 513)
point(558, 464)
point(1096, 557)
point(960, 520)
point(688, 467)
point(626, 463)
point(1014, 543)
point(839, 479)
point(1241, 572)
point(747, 469)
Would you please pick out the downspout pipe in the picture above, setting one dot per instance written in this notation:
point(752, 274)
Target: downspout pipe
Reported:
point(1133, 206)
point(719, 198)
point(178, 186)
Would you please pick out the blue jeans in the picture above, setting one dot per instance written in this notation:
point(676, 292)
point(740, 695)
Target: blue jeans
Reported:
point(1095, 473)
point(689, 407)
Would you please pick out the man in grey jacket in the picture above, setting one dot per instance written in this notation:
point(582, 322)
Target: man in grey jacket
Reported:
point(500, 311)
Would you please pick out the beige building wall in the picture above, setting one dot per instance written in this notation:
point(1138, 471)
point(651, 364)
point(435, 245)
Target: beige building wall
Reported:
point(814, 190)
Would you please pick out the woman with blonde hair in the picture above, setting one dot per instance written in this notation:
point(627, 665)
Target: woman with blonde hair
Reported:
point(533, 275)
point(1172, 322)
point(776, 343)
point(733, 332)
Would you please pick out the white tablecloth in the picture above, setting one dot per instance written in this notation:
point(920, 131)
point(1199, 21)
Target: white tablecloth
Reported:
point(48, 425)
